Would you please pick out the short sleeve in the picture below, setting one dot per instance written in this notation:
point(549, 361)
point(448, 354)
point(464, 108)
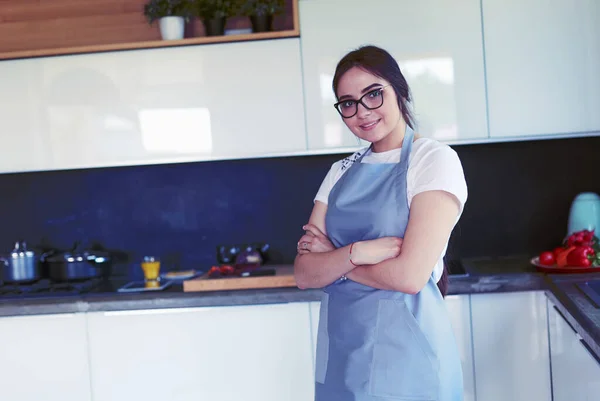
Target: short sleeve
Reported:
point(436, 166)
point(328, 183)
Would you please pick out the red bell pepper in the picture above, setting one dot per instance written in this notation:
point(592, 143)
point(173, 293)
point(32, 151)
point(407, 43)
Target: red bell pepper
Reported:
point(581, 256)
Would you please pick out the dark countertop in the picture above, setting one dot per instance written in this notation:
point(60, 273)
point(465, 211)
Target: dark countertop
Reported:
point(485, 275)
point(579, 311)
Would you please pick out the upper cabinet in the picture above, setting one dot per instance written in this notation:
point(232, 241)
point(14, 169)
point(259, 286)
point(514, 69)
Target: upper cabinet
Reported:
point(542, 63)
point(437, 44)
point(177, 104)
point(45, 28)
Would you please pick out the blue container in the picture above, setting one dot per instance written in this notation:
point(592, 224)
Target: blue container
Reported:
point(584, 213)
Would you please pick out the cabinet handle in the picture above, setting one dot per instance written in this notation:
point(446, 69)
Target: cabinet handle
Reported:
point(590, 351)
point(565, 319)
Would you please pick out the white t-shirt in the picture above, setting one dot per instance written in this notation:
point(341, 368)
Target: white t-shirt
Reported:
point(431, 166)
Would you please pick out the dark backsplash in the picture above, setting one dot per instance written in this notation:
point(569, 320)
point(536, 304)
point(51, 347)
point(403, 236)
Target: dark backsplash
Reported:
point(519, 198)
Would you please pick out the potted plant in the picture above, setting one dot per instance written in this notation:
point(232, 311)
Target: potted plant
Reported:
point(171, 15)
point(214, 14)
point(261, 13)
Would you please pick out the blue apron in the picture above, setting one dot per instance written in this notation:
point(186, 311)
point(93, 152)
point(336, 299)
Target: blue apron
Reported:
point(376, 345)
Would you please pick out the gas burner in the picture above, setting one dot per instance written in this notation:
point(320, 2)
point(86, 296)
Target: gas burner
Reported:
point(47, 287)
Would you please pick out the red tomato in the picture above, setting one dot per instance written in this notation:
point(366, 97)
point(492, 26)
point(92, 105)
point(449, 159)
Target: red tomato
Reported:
point(547, 258)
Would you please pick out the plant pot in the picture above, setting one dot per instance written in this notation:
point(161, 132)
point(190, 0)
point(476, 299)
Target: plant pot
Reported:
point(214, 26)
point(172, 28)
point(262, 23)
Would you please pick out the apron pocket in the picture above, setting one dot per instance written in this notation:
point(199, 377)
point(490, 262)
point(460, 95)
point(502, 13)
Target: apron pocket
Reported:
point(322, 356)
point(404, 365)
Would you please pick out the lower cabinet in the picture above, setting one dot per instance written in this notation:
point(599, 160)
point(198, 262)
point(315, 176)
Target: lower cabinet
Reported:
point(513, 346)
point(510, 346)
point(250, 353)
point(44, 357)
point(575, 372)
point(459, 309)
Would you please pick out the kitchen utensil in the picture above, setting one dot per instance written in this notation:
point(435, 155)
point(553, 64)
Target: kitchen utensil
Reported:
point(584, 213)
point(283, 277)
point(22, 265)
point(227, 254)
point(76, 264)
point(180, 275)
point(139, 286)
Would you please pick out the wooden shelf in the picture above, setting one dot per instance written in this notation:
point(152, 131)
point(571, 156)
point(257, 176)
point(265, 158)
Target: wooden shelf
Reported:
point(149, 44)
point(29, 28)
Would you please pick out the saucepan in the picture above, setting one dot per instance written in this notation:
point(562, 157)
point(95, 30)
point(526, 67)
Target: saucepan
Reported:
point(76, 264)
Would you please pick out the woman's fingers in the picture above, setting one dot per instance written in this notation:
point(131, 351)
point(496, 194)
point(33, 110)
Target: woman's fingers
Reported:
point(314, 230)
point(306, 238)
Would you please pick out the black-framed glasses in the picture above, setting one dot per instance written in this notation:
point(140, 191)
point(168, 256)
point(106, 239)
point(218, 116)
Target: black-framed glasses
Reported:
point(371, 100)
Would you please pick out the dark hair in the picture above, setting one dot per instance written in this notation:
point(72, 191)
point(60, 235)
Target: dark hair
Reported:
point(379, 63)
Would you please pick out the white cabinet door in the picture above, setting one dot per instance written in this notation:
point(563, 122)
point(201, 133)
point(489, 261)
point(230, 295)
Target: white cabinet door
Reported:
point(253, 353)
point(44, 358)
point(218, 101)
point(575, 372)
point(542, 63)
point(510, 346)
point(315, 311)
point(459, 308)
point(436, 43)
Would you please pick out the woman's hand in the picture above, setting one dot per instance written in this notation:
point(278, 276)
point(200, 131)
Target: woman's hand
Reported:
point(376, 250)
point(314, 241)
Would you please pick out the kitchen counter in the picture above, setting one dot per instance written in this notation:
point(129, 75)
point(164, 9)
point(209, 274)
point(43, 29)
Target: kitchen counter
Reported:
point(485, 275)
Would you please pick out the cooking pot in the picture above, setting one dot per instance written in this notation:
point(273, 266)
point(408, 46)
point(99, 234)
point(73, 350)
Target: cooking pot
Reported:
point(22, 265)
point(76, 264)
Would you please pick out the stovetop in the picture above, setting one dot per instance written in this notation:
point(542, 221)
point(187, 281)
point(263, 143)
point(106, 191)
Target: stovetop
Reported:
point(45, 287)
point(591, 288)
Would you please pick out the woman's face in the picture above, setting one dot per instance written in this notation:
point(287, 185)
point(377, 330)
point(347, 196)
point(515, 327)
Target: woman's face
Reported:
point(374, 124)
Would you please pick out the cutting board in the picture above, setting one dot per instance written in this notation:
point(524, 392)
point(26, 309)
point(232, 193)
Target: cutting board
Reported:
point(284, 277)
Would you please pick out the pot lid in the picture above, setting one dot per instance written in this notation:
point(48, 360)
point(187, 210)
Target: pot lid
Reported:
point(77, 255)
point(20, 251)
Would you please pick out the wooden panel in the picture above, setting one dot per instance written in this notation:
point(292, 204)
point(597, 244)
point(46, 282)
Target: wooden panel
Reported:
point(284, 277)
point(34, 25)
point(30, 28)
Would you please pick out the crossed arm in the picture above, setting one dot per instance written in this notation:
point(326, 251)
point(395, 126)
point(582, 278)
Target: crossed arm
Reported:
point(432, 218)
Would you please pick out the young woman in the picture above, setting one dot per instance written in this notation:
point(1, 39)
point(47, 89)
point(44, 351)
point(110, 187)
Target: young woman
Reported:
point(375, 243)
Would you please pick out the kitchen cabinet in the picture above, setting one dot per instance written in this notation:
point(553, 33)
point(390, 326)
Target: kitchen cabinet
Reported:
point(575, 372)
point(542, 63)
point(510, 346)
point(253, 353)
point(44, 357)
point(442, 63)
point(221, 101)
point(459, 310)
point(315, 309)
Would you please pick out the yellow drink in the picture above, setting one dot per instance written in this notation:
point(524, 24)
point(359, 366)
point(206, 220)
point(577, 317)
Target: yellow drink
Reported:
point(151, 268)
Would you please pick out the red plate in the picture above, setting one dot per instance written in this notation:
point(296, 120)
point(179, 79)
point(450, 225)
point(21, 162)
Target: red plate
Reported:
point(568, 270)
